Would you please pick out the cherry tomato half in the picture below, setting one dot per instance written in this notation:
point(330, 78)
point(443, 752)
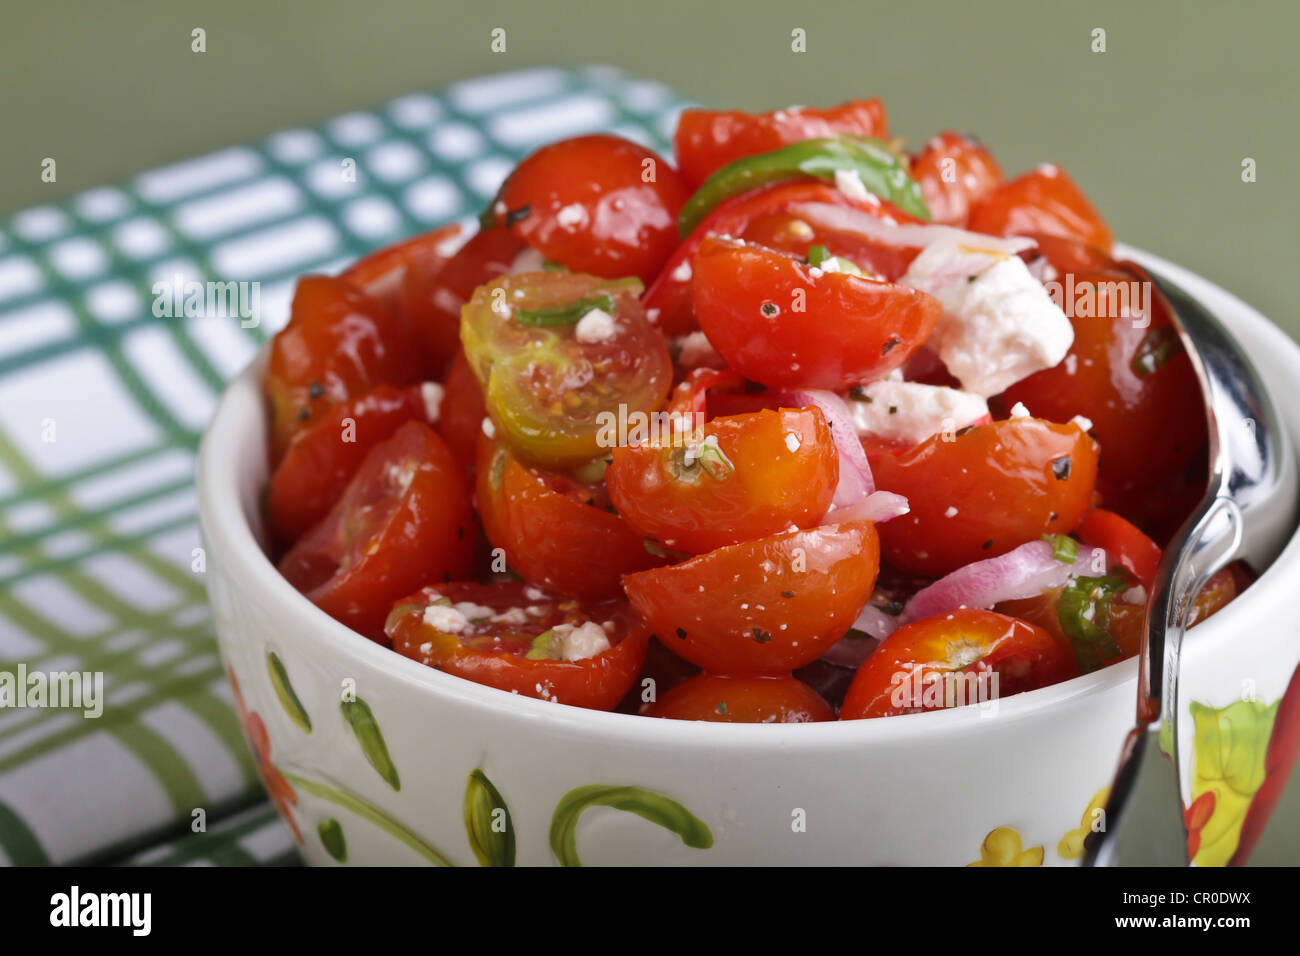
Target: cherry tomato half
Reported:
point(742, 700)
point(404, 521)
point(339, 343)
point(1043, 201)
point(707, 140)
point(955, 172)
point(597, 204)
point(950, 659)
point(554, 385)
point(555, 531)
point(323, 457)
point(382, 273)
point(783, 323)
point(739, 477)
point(1122, 541)
point(990, 489)
point(460, 421)
point(766, 606)
point(516, 638)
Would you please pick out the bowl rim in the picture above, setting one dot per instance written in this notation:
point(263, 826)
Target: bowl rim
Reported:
point(227, 530)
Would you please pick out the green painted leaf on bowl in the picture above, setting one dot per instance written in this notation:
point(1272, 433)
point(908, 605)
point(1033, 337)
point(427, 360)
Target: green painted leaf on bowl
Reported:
point(331, 837)
point(361, 719)
point(284, 691)
point(488, 825)
point(655, 807)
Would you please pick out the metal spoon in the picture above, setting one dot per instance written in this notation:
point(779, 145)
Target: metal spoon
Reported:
point(1248, 511)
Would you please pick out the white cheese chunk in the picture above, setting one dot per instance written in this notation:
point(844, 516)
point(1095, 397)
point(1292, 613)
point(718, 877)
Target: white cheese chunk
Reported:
point(911, 412)
point(579, 643)
point(999, 325)
point(432, 394)
point(596, 326)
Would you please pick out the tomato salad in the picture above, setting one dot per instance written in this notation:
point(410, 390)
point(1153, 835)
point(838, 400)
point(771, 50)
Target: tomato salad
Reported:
point(797, 429)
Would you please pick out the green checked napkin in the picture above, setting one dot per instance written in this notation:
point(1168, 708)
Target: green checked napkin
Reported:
point(101, 406)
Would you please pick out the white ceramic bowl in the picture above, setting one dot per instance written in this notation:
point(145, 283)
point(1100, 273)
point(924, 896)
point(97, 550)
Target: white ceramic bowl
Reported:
point(1011, 785)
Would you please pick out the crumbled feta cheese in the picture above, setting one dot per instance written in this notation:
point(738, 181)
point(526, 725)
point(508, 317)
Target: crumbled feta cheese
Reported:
point(951, 512)
point(579, 643)
point(792, 441)
point(695, 350)
point(1135, 595)
point(529, 260)
point(849, 182)
point(999, 324)
point(515, 617)
point(572, 215)
point(444, 618)
point(683, 272)
point(474, 612)
point(1083, 422)
point(432, 394)
point(1018, 410)
point(489, 429)
point(911, 411)
point(596, 326)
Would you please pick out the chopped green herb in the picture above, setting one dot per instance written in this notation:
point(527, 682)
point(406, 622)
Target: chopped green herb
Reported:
point(817, 255)
point(544, 647)
point(1157, 347)
point(567, 313)
point(1084, 613)
point(1061, 467)
point(1064, 548)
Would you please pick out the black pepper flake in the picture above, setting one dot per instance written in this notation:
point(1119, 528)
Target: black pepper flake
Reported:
point(1061, 467)
point(304, 414)
point(1054, 517)
point(315, 390)
point(894, 342)
point(972, 278)
point(893, 409)
point(681, 632)
point(787, 594)
point(761, 636)
point(769, 309)
point(722, 707)
point(859, 394)
point(987, 544)
point(517, 215)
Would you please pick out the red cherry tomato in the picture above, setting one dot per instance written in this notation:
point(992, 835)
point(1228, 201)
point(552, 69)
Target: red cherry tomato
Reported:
point(1043, 201)
point(707, 140)
point(339, 344)
point(780, 322)
point(742, 700)
point(432, 295)
point(404, 521)
point(766, 606)
point(1122, 541)
point(381, 274)
point(322, 458)
point(1130, 376)
point(764, 216)
point(740, 477)
point(955, 172)
point(556, 532)
point(991, 489)
point(460, 421)
point(952, 658)
point(516, 638)
point(597, 204)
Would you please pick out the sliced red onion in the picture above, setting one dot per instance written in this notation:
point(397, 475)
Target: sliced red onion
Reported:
point(876, 622)
point(861, 223)
point(1024, 572)
point(878, 506)
point(852, 649)
point(855, 482)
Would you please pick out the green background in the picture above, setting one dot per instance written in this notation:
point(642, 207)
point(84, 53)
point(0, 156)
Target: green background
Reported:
point(1155, 129)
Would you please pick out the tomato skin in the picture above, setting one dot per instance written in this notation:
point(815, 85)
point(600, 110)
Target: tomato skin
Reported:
point(707, 140)
point(339, 343)
point(1023, 656)
point(550, 536)
point(319, 462)
point(777, 323)
point(1143, 423)
point(381, 274)
point(766, 606)
point(1001, 479)
point(955, 172)
point(769, 487)
point(590, 208)
point(460, 421)
point(1045, 200)
point(764, 216)
point(597, 682)
point(403, 521)
point(1122, 541)
point(742, 700)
